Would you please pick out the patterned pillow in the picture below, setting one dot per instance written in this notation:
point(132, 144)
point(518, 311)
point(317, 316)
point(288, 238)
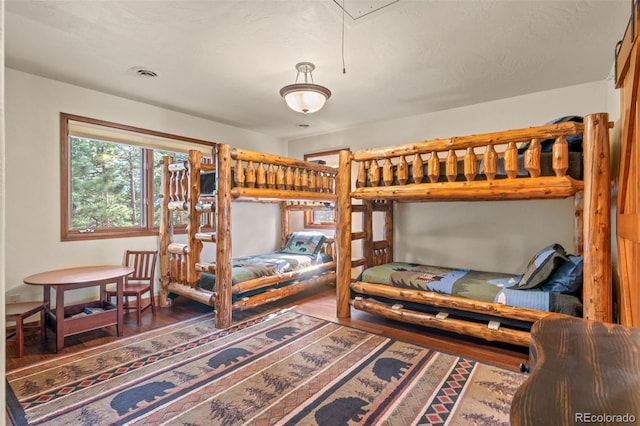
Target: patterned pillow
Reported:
point(543, 264)
point(304, 242)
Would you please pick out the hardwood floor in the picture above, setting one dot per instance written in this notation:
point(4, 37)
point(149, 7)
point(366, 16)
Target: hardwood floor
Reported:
point(319, 303)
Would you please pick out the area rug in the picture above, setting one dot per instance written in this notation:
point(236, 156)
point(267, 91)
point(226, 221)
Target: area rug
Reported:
point(279, 369)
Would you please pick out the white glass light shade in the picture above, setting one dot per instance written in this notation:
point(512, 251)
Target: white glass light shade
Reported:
point(305, 98)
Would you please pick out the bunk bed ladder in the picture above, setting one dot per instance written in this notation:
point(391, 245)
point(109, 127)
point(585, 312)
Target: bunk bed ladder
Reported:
point(181, 194)
point(175, 194)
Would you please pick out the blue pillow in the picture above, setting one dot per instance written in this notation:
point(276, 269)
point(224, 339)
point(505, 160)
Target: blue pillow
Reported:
point(567, 278)
point(540, 268)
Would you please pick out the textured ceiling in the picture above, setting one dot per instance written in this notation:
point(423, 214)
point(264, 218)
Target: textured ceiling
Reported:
point(227, 60)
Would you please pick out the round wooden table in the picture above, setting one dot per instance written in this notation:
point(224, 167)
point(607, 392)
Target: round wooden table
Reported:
point(69, 320)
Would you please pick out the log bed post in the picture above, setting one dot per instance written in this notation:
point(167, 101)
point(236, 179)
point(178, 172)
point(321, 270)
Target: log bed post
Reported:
point(388, 232)
point(367, 228)
point(223, 306)
point(578, 223)
point(165, 233)
point(284, 223)
point(597, 288)
point(343, 234)
point(195, 245)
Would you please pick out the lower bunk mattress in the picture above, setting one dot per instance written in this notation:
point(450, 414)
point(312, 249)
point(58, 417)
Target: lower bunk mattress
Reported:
point(265, 265)
point(478, 285)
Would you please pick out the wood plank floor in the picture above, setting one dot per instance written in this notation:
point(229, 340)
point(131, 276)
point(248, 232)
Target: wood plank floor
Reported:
point(319, 302)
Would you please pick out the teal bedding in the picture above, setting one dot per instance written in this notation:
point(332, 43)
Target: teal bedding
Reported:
point(470, 284)
point(274, 263)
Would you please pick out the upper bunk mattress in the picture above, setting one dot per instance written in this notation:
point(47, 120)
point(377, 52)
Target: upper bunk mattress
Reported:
point(478, 285)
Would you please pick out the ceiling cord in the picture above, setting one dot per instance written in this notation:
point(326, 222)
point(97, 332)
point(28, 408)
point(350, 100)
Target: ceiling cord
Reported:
point(344, 68)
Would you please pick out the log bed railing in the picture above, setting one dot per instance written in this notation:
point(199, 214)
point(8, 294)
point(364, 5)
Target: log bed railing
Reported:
point(241, 175)
point(470, 148)
point(383, 176)
point(260, 176)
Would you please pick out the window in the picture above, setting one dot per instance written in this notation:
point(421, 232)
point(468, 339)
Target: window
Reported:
point(319, 219)
point(111, 177)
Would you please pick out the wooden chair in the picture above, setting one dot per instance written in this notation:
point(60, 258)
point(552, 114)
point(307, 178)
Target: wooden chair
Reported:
point(141, 281)
point(21, 314)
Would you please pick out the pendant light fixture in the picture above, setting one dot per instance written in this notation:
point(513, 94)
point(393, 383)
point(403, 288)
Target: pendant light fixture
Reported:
point(305, 97)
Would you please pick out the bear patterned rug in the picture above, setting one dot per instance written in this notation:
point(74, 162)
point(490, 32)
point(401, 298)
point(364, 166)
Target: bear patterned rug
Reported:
point(285, 368)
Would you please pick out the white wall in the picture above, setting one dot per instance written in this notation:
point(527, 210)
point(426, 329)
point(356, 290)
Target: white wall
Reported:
point(33, 245)
point(2, 205)
point(492, 236)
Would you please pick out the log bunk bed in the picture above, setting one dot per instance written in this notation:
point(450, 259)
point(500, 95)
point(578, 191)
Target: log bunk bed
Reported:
point(474, 168)
point(204, 188)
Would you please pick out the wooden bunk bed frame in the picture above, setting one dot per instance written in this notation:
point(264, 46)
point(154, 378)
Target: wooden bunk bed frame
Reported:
point(241, 175)
point(592, 216)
